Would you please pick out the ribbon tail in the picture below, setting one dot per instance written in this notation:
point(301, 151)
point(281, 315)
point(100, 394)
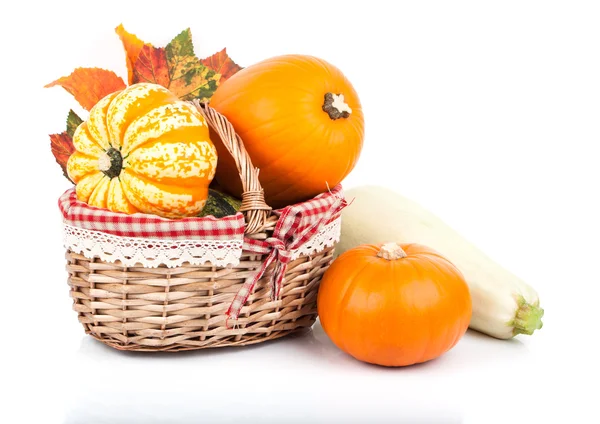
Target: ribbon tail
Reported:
point(233, 312)
point(277, 280)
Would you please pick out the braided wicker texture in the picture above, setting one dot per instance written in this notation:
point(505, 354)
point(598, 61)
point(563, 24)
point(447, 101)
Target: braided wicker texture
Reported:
point(184, 308)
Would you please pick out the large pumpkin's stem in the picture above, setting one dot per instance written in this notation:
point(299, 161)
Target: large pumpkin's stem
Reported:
point(391, 252)
point(335, 106)
point(111, 163)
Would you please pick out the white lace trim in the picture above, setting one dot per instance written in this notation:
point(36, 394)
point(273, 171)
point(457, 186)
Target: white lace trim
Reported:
point(151, 253)
point(327, 237)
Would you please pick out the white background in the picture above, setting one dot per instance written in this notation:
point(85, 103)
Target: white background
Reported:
point(487, 113)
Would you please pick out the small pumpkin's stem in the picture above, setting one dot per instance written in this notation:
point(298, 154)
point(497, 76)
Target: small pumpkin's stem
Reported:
point(111, 163)
point(336, 107)
point(391, 252)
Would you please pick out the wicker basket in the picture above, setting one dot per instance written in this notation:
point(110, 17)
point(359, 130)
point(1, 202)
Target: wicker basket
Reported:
point(184, 308)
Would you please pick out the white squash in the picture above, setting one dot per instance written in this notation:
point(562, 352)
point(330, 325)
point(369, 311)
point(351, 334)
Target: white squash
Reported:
point(503, 304)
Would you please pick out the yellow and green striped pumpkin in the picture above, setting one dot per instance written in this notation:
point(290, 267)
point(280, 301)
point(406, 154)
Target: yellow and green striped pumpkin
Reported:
point(143, 150)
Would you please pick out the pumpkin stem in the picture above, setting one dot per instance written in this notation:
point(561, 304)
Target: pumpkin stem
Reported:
point(335, 106)
point(111, 163)
point(391, 252)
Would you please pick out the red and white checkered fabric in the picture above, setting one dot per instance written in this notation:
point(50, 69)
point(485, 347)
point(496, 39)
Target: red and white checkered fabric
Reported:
point(296, 225)
point(81, 215)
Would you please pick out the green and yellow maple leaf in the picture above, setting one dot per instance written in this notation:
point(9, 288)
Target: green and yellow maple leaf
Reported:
point(190, 79)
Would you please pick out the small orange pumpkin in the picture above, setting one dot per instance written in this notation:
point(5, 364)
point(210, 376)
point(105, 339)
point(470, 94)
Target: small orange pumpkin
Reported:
point(301, 122)
point(394, 305)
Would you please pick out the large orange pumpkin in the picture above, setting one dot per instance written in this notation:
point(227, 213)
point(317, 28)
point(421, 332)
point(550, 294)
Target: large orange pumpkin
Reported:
point(301, 122)
point(394, 305)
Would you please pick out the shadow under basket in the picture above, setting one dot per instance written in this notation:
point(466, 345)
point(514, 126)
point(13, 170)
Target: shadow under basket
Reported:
point(140, 308)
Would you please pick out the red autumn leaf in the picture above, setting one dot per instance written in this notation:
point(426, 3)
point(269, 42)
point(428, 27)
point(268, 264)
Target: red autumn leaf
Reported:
point(133, 46)
point(221, 63)
point(89, 85)
point(151, 66)
point(62, 147)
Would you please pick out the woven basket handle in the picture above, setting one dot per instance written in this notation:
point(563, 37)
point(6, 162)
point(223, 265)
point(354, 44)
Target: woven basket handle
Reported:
point(253, 206)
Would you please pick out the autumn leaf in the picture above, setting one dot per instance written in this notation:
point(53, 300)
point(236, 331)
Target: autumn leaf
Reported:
point(62, 144)
point(222, 64)
point(62, 147)
point(73, 121)
point(190, 79)
point(151, 66)
point(89, 85)
point(133, 46)
point(175, 66)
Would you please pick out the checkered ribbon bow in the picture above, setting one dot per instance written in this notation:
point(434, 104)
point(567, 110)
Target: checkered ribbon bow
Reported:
point(296, 225)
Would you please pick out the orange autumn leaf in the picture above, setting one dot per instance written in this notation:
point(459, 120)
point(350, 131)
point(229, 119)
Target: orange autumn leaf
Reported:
point(222, 64)
point(133, 46)
point(62, 147)
point(89, 85)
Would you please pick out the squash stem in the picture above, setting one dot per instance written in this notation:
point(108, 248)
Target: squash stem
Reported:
point(391, 252)
point(528, 318)
point(111, 163)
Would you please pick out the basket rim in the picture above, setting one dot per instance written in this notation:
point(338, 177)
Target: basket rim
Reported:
point(153, 241)
point(66, 201)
